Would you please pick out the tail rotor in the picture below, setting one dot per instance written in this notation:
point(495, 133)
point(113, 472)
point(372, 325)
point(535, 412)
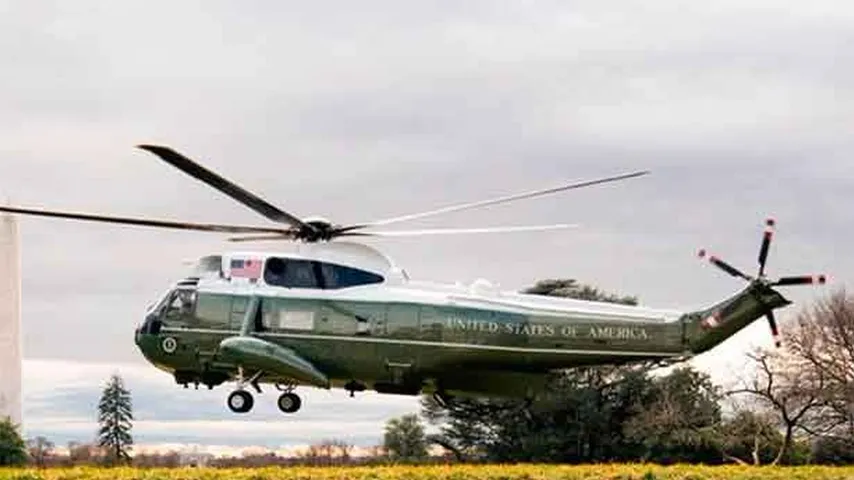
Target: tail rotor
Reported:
point(761, 277)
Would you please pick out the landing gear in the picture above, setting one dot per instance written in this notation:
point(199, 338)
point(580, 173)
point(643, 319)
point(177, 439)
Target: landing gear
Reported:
point(442, 398)
point(240, 401)
point(289, 402)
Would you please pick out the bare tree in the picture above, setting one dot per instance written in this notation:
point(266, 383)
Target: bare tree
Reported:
point(823, 343)
point(82, 453)
point(783, 386)
point(328, 452)
point(39, 449)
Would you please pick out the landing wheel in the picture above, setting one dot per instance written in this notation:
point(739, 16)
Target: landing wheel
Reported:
point(240, 401)
point(289, 402)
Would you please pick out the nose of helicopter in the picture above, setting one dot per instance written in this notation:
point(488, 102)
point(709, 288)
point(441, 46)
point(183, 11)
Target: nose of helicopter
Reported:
point(146, 335)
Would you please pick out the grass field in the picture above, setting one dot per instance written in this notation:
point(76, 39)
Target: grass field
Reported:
point(453, 472)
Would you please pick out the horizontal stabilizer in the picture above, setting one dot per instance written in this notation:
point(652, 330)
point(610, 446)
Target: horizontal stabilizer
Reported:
point(254, 353)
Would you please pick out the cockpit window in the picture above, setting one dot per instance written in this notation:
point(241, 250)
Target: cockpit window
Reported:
point(296, 273)
point(182, 303)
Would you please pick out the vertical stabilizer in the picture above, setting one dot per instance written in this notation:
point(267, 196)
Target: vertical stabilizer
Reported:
point(10, 320)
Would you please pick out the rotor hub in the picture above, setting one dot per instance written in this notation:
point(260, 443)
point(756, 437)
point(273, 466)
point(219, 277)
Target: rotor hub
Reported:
point(316, 230)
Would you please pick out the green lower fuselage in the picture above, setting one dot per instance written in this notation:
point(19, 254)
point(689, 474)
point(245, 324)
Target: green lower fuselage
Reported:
point(463, 346)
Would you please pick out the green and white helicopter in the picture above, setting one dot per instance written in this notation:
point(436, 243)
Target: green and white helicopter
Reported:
point(338, 314)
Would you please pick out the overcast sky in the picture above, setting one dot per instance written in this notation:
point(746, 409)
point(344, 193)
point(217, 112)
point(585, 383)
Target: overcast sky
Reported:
point(741, 109)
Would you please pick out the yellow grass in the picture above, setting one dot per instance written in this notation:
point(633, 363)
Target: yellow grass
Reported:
point(451, 472)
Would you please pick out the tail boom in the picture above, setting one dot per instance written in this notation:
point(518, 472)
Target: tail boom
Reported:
point(708, 328)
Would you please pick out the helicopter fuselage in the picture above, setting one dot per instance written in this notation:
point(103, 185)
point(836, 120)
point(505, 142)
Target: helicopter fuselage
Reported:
point(408, 338)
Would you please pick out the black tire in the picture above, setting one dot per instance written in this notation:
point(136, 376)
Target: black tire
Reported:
point(240, 401)
point(289, 402)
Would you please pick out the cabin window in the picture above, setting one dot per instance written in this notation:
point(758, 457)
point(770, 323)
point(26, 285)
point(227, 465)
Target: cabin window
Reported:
point(296, 273)
point(301, 274)
point(432, 322)
point(403, 320)
point(339, 276)
point(287, 314)
point(214, 311)
point(238, 311)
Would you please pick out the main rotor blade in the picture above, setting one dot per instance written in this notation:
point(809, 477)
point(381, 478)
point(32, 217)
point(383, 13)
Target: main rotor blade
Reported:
point(259, 238)
point(207, 227)
point(460, 231)
point(415, 233)
point(494, 201)
point(215, 180)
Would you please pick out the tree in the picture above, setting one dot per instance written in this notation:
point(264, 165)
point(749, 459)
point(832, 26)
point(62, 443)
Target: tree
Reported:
point(570, 288)
point(40, 448)
point(80, 453)
point(327, 452)
point(115, 415)
point(750, 438)
point(783, 386)
point(833, 450)
point(675, 421)
point(13, 449)
point(821, 346)
point(404, 438)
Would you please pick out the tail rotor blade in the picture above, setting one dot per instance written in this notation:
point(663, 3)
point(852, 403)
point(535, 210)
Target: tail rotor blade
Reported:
point(772, 322)
point(801, 280)
point(724, 266)
point(766, 242)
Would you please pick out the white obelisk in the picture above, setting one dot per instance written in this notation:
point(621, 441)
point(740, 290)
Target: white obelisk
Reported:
point(10, 320)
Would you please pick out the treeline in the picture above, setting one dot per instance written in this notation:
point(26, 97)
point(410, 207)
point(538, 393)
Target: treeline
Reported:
point(43, 454)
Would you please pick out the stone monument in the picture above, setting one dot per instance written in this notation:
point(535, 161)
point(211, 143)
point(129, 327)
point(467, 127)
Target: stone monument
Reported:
point(10, 320)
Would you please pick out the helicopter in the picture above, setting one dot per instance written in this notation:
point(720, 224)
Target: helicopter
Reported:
point(341, 314)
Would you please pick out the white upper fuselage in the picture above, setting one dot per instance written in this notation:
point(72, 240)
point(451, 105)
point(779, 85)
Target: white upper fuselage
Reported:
point(396, 287)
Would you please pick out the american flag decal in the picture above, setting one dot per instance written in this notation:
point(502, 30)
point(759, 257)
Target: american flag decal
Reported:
point(246, 268)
